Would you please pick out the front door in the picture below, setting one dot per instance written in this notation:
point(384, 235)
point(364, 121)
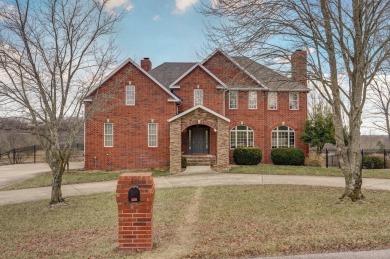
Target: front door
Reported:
point(199, 140)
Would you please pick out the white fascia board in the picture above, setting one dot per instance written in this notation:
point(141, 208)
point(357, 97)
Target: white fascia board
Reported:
point(246, 89)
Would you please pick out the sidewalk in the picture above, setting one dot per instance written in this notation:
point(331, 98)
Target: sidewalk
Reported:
point(187, 180)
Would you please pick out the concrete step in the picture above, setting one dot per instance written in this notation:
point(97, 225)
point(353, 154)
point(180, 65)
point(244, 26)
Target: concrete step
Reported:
point(197, 160)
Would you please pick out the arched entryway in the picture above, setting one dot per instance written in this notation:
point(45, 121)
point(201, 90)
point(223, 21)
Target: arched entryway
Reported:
point(209, 135)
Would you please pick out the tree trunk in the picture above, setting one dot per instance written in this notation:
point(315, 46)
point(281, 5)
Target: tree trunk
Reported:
point(353, 187)
point(56, 193)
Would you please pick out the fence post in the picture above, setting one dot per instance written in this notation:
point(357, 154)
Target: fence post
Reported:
point(35, 150)
point(326, 157)
point(14, 156)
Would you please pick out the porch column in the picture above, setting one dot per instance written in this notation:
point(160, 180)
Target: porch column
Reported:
point(175, 146)
point(222, 144)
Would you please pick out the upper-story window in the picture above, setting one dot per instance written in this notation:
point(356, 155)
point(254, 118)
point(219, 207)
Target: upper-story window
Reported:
point(130, 95)
point(108, 135)
point(233, 99)
point(252, 100)
point(294, 101)
point(272, 100)
point(198, 97)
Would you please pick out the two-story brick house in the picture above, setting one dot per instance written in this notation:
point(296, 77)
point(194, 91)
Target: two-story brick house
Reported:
point(157, 115)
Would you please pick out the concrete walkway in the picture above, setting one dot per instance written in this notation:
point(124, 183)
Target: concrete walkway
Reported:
point(189, 178)
point(10, 174)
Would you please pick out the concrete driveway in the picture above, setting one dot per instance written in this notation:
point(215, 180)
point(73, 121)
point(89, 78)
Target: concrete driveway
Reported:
point(10, 174)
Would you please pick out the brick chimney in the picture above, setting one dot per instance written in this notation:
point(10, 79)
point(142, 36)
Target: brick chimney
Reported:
point(299, 66)
point(146, 64)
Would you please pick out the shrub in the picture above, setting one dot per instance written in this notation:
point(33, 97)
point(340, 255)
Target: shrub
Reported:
point(247, 155)
point(287, 156)
point(314, 159)
point(183, 162)
point(373, 162)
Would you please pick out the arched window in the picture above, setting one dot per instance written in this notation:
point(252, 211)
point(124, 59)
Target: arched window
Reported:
point(241, 136)
point(283, 136)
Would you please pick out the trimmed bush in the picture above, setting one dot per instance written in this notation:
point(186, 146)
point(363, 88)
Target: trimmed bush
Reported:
point(287, 156)
point(247, 155)
point(373, 162)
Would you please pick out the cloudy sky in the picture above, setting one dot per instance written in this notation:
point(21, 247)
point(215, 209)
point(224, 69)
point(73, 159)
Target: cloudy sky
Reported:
point(163, 30)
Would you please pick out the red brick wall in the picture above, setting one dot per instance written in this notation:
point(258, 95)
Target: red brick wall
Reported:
point(130, 125)
point(212, 97)
point(131, 149)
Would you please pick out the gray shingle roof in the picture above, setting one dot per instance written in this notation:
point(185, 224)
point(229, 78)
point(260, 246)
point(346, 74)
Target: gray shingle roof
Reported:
point(270, 78)
point(168, 72)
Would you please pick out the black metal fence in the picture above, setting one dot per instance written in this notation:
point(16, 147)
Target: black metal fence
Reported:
point(331, 158)
point(28, 154)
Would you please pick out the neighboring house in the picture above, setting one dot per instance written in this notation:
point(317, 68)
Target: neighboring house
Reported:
point(157, 115)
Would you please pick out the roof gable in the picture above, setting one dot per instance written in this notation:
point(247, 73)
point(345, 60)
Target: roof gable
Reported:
point(123, 64)
point(235, 63)
point(173, 84)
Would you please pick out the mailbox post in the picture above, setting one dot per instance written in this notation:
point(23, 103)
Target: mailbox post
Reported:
point(135, 197)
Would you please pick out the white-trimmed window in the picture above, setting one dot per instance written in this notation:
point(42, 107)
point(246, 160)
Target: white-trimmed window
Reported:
point(252, 100)
point(283, 137)
point(241, 136)
point(198, 97)
point(152, 135)
point(272, 100)
point(294, 101)
point(233, 99)
point(130, 95)
point(108, 135)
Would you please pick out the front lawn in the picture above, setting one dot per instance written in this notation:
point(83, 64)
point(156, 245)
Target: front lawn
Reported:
point(304, 170)
point(78, 177)
point(205, 222)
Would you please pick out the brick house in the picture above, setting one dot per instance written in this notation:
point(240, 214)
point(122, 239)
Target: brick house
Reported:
point(154, 116)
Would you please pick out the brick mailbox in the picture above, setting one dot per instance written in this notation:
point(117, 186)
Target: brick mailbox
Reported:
point(135, 196)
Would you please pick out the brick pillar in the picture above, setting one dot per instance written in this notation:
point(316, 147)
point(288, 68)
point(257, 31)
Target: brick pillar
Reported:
point(135, 218)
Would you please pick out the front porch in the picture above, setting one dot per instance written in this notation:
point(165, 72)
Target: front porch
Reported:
point(199, 133)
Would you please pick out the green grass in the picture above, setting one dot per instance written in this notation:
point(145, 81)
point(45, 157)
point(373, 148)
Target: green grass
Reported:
point(304, 170)
point(78, 177)
point(230, 222)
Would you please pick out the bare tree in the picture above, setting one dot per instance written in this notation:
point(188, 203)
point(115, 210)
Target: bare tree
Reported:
point(52, 53)
point(379, 105)
point(347, 43)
